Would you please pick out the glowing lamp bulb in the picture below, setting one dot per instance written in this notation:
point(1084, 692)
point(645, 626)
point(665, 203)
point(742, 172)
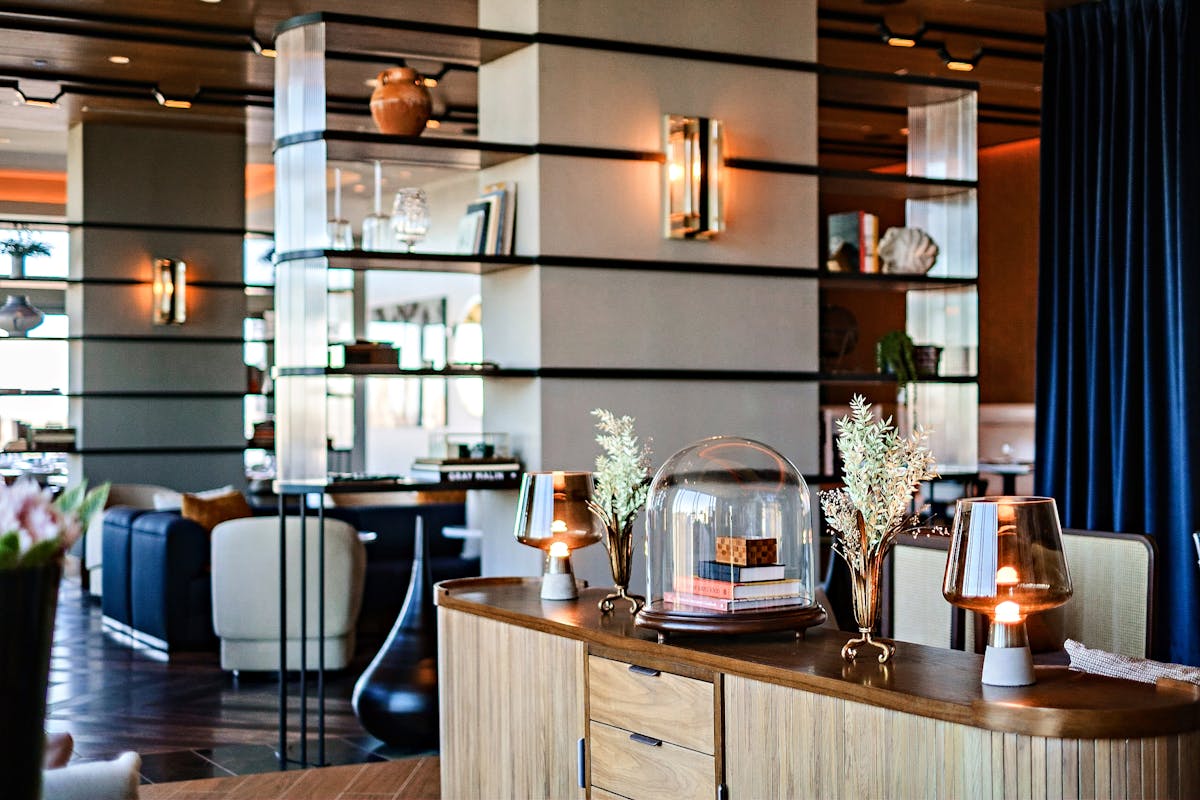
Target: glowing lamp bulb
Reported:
point(559, 479)
point(1008, 612)
point(559, 550)
point(558, 526)
point(1006, 576)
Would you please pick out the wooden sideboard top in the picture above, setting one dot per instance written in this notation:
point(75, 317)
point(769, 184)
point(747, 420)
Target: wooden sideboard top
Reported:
point(927, 681)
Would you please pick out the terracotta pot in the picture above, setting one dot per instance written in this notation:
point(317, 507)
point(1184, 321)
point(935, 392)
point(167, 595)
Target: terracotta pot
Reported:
point(400, 104)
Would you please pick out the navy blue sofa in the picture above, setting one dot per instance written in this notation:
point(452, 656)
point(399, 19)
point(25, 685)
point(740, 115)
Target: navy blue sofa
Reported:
point(157, 582)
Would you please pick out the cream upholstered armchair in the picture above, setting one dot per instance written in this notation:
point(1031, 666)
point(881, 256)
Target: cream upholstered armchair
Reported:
point(245, 591)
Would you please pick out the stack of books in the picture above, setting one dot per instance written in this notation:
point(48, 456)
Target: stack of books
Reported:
point(466, 470)
point(744, 574)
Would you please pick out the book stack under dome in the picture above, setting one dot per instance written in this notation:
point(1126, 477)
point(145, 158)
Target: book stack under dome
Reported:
point(730, 542)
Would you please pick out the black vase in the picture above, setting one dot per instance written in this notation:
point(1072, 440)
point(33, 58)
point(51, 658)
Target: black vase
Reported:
point(396, 698)
point(28, 601)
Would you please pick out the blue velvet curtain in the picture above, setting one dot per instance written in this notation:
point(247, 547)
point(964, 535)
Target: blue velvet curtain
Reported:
point(1118, 389)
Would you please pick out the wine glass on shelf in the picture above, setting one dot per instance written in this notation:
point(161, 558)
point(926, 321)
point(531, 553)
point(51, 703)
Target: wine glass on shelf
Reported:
point(410, 216)
point(377, 232)
point(341, 235)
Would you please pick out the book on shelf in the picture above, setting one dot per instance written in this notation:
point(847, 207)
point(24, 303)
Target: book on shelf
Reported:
point(502, 200)
point(453, 476)
point(736, 591)
point(716, 571)
point(721, 604)
point(853, 242)
point(464, 464)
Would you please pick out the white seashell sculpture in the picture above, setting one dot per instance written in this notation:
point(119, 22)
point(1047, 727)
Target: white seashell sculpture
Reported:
point(907, 251)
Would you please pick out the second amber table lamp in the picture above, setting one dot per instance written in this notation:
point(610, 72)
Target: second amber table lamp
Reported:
point(1006, 561)
point(553, 515)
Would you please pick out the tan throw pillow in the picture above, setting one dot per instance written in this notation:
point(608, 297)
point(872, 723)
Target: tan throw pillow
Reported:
point(209, 512)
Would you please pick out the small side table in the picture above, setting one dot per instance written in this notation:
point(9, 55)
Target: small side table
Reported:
point(1008, 472)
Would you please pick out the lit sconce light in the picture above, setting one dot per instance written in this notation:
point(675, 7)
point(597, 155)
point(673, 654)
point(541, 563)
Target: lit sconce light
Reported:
point(166, 102)
point(961, 64)
point(693, 177)
point(265, 52)
point(170, 291)
point(901, 30)
point(38, 102)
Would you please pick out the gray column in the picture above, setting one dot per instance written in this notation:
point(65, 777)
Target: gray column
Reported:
point(156, 403)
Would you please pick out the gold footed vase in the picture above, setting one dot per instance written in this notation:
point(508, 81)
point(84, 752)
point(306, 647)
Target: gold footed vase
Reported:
point(619, 545)
point(864, 591)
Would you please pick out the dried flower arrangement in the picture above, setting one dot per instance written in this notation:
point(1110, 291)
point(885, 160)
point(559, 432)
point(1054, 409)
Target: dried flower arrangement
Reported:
point(882, 471)
point(622, 483)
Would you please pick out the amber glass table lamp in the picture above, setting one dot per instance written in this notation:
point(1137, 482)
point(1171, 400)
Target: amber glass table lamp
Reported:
point(1006, 561)
point(553, 515)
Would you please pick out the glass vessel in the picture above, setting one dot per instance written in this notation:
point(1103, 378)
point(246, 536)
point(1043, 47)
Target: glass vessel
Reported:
point(729, 542)
point(410, 216)
point(1006, 561)
point(553, 515)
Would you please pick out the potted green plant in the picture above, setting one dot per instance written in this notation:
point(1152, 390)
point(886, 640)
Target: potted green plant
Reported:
point(894, 354)
point(20, 247)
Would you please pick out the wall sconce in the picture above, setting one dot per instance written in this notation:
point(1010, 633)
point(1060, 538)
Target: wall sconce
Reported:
point(693, 177)
point(170, 291)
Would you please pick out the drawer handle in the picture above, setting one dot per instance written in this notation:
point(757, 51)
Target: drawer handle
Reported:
point(649, 673)
point(637, 737)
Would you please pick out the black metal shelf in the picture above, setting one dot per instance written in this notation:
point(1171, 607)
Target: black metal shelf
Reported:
point(886, 91)
point(397, 484)
point(886, 282)
point(880, 379)
point(388, 371)
point(883, 184)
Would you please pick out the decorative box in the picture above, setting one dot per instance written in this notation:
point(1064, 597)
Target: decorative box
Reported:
point(730, 542)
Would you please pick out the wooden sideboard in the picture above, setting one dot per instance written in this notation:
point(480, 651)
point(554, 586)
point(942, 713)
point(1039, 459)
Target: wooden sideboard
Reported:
point(550, 699)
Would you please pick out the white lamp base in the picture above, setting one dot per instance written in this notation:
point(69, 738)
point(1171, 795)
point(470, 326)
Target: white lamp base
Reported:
point(1008, 666)
point(559, 586)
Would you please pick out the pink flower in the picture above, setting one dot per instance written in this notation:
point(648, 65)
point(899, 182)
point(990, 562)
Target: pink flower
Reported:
point(28, 510)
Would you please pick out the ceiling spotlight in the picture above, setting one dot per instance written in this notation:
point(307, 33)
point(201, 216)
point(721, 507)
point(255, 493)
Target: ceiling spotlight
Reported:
point(213, 2)
point(433, 123)
point(430, 82)
point(901, 30)
point(168, 103)
point(118, 59)
point(961, 64)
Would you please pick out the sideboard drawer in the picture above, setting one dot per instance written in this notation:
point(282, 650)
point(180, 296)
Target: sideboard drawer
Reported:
point(665, 706)
point(643, 770)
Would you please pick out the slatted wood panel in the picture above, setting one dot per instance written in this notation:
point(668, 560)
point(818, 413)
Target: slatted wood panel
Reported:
point(665, 706)
point(512, 706)
point(783, 743)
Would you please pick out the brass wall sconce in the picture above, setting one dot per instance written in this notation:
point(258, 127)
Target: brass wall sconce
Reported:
point(170, 291)
point(693, 177)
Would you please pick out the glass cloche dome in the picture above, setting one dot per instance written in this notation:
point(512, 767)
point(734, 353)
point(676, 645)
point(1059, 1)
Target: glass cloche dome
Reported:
point(729, 542)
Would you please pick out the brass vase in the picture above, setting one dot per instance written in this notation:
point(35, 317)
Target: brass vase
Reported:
point(865, 595)
point(619, 544)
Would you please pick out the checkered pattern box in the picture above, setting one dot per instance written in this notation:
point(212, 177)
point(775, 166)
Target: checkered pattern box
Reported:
point(746, 552)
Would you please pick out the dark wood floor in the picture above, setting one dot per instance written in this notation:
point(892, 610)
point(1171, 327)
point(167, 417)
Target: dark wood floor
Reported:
point(187, 718)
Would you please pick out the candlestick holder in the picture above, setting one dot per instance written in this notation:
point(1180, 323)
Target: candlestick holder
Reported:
point(1006, 561)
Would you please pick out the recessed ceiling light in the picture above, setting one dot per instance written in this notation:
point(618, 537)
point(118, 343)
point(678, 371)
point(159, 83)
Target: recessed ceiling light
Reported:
point(433, 123)
point(210, 1)
point(118, 59)
point(901, 71)
point(430, 82)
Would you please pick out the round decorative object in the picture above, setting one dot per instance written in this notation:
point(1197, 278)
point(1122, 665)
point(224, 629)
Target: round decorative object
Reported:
point(839, 332)
point(730, 543)
point(17, 317)
point(400, 104)
point(907, 251)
